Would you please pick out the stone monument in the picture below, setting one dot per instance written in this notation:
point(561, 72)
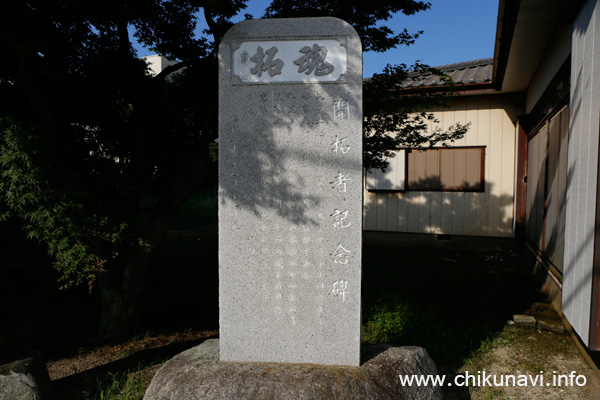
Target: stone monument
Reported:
point(290, 192)
point(290, 212)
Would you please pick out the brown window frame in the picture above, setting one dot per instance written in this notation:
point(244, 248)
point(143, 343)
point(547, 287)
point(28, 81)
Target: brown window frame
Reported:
point(480, 188)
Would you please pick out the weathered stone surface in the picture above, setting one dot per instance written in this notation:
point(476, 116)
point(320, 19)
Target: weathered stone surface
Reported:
point(198, 374)
point(554, 328)
point(524, 321)
point(25, 380)
point(290, 191)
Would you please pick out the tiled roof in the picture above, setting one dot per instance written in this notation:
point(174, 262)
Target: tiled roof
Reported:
point(477, 71)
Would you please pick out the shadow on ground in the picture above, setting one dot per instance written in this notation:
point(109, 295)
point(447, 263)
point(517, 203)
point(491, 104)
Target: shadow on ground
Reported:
point(457, 293)
point(181, 294)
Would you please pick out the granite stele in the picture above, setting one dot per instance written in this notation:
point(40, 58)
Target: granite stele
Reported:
point(290, 191)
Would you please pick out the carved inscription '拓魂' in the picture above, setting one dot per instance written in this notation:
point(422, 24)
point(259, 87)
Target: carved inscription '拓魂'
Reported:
point(290, 61)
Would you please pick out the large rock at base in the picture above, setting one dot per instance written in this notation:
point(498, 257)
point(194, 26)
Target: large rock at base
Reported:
point(25, 380)
point(198, 374)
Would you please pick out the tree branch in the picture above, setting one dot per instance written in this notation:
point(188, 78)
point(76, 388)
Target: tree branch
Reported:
point(173, 68)
point(124, 44)
point(217, 30)
point(210, 21)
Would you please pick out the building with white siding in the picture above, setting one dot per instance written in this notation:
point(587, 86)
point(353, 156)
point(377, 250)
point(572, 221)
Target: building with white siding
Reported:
point(538, 125)
point(157, 63)
point(466, 189)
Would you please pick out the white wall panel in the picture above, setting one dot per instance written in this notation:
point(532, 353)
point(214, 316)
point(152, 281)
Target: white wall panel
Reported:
point(582, 169)
point(555, 55)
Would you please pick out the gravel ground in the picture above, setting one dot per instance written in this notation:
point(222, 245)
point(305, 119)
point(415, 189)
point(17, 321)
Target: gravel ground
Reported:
point(546, 365)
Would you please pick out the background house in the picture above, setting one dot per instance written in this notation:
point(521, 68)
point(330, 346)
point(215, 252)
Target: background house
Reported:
point(467, 189)
point(156, 63)
point(538, 122)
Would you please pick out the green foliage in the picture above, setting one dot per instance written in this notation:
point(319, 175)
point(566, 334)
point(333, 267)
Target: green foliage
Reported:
point(51, 214)
point(200, 209)
point(213, 151)
point(396, 116)
point(127, 385)
point(386, 320)
point(366, 17)
point(86, 132)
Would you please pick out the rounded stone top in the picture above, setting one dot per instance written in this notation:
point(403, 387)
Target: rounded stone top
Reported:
point(288, 28)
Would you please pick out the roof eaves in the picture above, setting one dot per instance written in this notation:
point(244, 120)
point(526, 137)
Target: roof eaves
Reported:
point(461, 87)
point(505, 28)
point(468, 72)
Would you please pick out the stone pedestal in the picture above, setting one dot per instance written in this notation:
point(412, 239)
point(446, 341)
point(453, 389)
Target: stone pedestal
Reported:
point(198, 374)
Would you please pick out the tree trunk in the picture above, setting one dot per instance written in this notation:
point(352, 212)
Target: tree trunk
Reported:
point(121, 289)
point(121, 286)
point(119, 315)
point(121, 293)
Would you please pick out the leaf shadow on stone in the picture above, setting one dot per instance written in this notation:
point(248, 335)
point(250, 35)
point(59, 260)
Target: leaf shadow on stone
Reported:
point(279, 185)
point(485, 213)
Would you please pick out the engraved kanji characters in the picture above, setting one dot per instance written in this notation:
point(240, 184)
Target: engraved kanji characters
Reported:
point(339, 147)
point(341, 109)
point(339, 288)
point(340, 255)
point(273, 67)
point(340, 182)
point(244, 57)
point(339, 217)
point(314, 60)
